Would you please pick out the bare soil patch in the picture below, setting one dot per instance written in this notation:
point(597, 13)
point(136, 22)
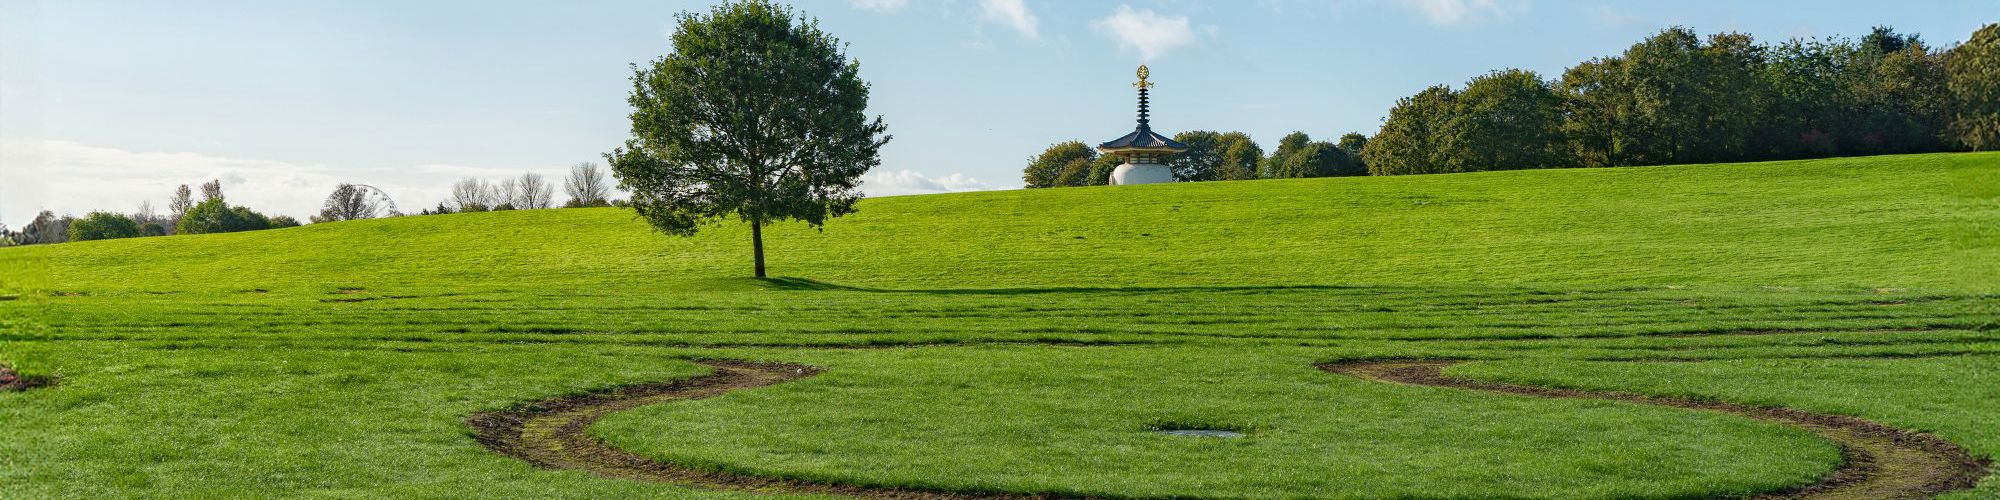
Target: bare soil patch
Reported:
point(1877, 461)
point(14, 382)
point(555, 433)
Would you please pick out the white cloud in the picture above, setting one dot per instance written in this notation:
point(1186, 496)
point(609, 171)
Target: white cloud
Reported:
point(1457, 11)
point(901, 182)
point(72, 178)
point(881, 5)
point(1146, 32)
point(1012, 13)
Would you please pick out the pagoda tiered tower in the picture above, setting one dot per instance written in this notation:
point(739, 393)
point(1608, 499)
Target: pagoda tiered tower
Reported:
point(1144, 151)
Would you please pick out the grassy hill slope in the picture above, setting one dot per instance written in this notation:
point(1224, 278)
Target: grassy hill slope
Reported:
point(1039, 336)
point(1921, 221)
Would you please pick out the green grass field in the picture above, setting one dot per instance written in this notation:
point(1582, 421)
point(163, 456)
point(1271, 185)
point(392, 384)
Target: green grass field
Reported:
point(1029, 341)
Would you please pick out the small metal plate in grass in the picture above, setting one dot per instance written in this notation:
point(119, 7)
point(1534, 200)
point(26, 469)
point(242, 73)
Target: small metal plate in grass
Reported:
point(1206, 433)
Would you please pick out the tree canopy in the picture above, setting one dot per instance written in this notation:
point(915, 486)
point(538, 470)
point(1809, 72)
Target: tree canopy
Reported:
point(1504, 120)
point(756, 114)
point(216, 216)
point(350, 202)
point(1213, 156)
point(1672, 97)
point(1240, 157)
point(1411, 140)
point(1974, 79)
point(103, 226)
point(1057, 165)
point(1676, 97)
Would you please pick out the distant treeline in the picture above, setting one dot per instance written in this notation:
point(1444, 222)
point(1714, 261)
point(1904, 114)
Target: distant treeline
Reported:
point(185, 215)
point(587, 186)
point(1670, 99)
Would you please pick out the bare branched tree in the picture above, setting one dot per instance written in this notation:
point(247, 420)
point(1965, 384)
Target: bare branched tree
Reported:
point(471, 195)
point(535, 192)
point(179, 205)
point(47, 228)
point(505, 195)
point(585, 186)
point(146, 213)
point(351, 202)
point(211, 190)
point(150, 222)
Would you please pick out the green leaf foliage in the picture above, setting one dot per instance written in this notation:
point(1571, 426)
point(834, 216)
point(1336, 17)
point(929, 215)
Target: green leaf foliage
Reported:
point(1062, 164)
point(1202, 158)
point(1410, 141)
point(1215, 156)
point(1974, 80)
point(1101, 168)
point(1240, 156)
point(103, 226)
point(1352, 143)
point(215, 216)
point(1318, 159)
point(1676, 97)
point(756, 114)
point(1288, 146)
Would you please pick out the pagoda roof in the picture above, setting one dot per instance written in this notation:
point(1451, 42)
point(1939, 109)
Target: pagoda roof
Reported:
point(1143, 138)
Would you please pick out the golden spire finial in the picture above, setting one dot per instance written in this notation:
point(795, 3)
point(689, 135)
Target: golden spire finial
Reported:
point(1142, 83)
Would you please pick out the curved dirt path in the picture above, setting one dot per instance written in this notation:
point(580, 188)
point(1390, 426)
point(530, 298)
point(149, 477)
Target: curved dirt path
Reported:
point(1877, 461)
point(555, 433)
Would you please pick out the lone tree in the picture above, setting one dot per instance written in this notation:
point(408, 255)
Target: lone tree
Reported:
point(585, 186)
point(179, 205)
point(756, 114)
point(354, 202)
point(535, 192)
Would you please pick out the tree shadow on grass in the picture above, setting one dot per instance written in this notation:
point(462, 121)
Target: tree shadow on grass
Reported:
point(796, 283)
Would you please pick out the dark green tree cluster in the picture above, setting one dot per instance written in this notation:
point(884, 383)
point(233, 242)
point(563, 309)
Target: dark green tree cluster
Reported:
point(1299, 156)
point(1678, 98)
point(1069, 163)
point(1211, 156)
point(1973, 76)
point(186, 216)
point(1214, 156)
point(213, 215)
point(1506, 119)
point(103, 226)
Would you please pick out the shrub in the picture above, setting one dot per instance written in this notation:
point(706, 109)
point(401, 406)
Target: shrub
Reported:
point(214, 216)
point(103, 226)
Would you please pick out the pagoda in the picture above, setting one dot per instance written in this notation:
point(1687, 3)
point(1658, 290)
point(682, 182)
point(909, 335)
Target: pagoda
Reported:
point(1143, 150)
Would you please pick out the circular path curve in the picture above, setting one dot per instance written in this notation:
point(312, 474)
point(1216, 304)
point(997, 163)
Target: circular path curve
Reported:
point(1878, 461)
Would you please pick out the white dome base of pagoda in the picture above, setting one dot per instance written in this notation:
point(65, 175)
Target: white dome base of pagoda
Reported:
point(1141, 173)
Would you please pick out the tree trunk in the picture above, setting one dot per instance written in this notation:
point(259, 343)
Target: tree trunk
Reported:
point(757, 244)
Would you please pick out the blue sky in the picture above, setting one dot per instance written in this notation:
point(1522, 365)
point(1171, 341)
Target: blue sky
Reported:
point(107, 104)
